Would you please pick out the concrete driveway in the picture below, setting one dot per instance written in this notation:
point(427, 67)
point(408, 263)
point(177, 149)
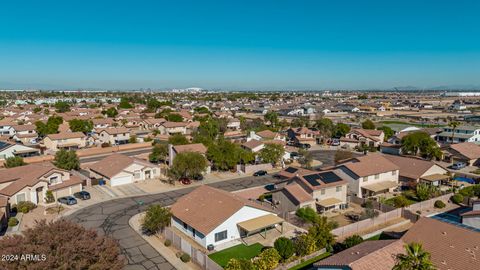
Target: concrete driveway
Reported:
point(111, 218)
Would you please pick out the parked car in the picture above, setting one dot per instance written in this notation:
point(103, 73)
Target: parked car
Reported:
point(459, 165)
point(270, 187)
point(68, 200)
point(260, 173)
point(84, 195)
point(303, 145)
point(335, 142)
point(185, 181)
point(294, 155)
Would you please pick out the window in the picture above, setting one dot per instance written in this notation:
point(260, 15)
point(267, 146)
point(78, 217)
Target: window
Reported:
point(323, 191)
point(394, 172)
point(220, 236)
point(185, 226)
point(137, 174)
point(377, 176)
point(339, 188)
point(53, 180)
point(365, 179)
point(21, 197)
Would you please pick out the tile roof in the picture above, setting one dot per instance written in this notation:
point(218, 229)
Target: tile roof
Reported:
point(205, 208)
point(252, 144)
point(27, 175)
point(467, 149)
point(194, 147)
point(412, 168)
point(450, 246)
point(298, 193)
point(66, 135)
point(370, 164)
point(112, 164)
point(368, 255)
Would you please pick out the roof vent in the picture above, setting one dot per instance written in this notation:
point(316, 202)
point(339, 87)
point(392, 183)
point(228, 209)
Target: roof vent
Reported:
point(444, 233)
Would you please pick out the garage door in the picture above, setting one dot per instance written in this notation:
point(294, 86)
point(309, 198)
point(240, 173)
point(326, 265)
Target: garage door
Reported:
point(117, 181)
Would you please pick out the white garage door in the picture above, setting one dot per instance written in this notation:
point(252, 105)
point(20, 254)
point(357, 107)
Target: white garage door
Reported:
point(122, 180)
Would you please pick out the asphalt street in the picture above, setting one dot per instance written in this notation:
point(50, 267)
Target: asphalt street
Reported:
point(111, 218)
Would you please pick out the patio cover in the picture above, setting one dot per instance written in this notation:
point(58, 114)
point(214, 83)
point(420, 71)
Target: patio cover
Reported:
point(25, 151)
point(435, 177)
point(380, 186)
point(329, 202)
point(256, 224)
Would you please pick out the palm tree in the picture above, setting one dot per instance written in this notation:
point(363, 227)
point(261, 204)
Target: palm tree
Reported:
point(453, 125)
point(414, 259)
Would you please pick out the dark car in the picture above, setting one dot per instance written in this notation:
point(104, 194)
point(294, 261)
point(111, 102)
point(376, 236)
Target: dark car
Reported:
point(84, 195)
point(303, 145)
point(270, 187)
point(68, 200)
point(185, 181)
point(260, 173)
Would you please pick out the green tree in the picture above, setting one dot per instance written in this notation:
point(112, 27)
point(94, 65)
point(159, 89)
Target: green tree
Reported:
point(233, 264)
point(285, 247)
point(271, 117)
point(306, 158)
point(12, 162)
point(307, 214)
point(352, 241)
point(272, 153)
point(387, 131)
point(178, 139)
point(421, 143)
point(453, 125)
point(125, 103)
point(325, 126)
point(133, 139)
point(368, 124)
point(159, 153)
point(341, 130)
point(62, 106)
point(156, 219)
point(425, 192)
point(37, 109)
point(174, 117)
point(188, 164)
point(415, 259)
point(305, 244)
point(267, 259)
point(51, 127)
point(321, 231)
point(49, 198)
point(78, 125)
point(111, 112)
point(201, 110)
point(67, 160)
point(224, 154)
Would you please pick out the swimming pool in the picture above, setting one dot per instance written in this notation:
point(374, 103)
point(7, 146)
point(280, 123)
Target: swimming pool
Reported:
point(464, 179)
point(452, 219)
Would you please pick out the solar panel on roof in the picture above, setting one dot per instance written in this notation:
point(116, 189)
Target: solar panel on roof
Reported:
point(291, 169)
point(312, 179)
point(329, 177)
point(3, 145)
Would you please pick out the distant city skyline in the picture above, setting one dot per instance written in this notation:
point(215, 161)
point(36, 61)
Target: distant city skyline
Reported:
point(245, 45)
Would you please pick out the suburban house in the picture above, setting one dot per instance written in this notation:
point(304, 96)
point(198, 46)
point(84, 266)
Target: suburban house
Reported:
point(99, 123)
point(369, 175)
point(8, 150)
point(25, 134)
point(322, 191)
point(253, 145)
point(371, 255)
point(414, 170)
point(360, 137)
point(172, 128)
point(65, 140)
point(152, 123)
point(233, 124)
point(472, 217)
point(450, 246)
point(118, 169)
point(31, 182)
point(467, 152)
point(266, 135)
point(114, 136)
point(214, 217)
point(173, 150)
point(459, 134)
point(302, 135)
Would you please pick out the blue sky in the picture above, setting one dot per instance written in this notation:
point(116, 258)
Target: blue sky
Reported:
point(244, 44)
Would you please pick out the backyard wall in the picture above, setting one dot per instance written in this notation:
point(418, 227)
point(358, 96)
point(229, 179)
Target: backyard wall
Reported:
point(301, 260)
point(250, 169)
point(198, 257)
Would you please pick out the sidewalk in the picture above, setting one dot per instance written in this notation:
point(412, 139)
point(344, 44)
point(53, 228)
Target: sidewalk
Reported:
point(158, 245)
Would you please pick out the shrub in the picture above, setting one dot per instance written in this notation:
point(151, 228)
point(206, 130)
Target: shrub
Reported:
point(352, 241)
point(400, 201)
point(457, 198)
point(307, 214)
point(267, 259)
point(167, 242)
point(49, 197)
point(285, 247)
point(12, 222)
point(439, 204)
point(156, 219)
point(185, 257)
point(25, 206)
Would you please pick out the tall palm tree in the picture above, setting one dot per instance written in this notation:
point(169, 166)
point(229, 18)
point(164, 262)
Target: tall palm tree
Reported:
point(453, 125)
point(415, 259)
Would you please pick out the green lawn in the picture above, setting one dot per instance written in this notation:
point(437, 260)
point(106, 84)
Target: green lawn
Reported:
point(308, 263)
point(238, 252)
